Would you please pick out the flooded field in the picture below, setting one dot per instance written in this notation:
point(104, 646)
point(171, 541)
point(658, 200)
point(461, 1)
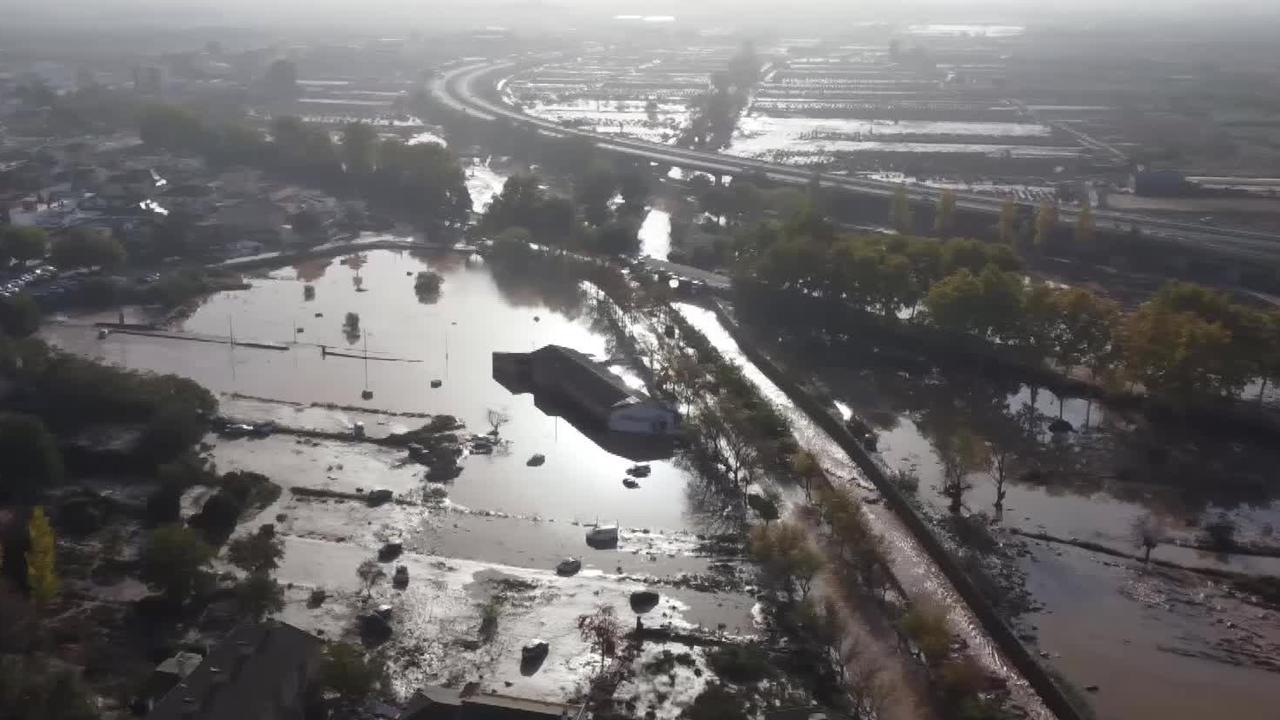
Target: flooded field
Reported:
point(641, 94)
point(1187, 646)
point(493, 534)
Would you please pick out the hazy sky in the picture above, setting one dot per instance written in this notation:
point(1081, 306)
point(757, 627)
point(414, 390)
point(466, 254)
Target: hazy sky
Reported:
point(425, 14)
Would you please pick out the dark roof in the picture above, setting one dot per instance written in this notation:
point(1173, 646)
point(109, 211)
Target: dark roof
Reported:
point(573, 367)
point(446, 704)
point(245, 670)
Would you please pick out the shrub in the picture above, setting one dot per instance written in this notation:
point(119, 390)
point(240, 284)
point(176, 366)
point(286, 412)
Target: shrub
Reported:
point(739, 664)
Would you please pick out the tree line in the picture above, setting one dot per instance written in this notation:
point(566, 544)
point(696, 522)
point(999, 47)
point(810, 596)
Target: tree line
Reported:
point(423, 181)
point(1187, 343)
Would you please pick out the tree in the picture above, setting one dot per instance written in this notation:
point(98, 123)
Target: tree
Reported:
point(805, 467)
point(601, 631)
point(173, 559)
point(23, 243)
point(1006, 229)
point(1086, 231)
point(900, 211)
point(346, 672)
point(1180, 355)
point(944, 221)
point(359, 148)
point(786, 556)
point(1148, 532)
point(281, 79)
point(256, 553)
point(260, 595)
point(1083, 333)
point(351, 327)
point(927, 628)
point(496, 419)
point(42, 575)
point(1046, 224)
point(30, 460)
point(961, 454)
point(19, 316)
point(369, 572)
point(87, 247)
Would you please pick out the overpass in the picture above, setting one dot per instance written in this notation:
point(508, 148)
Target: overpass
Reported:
point(468, 88)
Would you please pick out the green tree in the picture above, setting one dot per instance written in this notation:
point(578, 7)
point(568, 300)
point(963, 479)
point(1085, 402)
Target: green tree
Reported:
point(346, 672)
point(359, 148)
point(259, 595)
point(87, 247)
point(1046, 224)
point(23, 243)
point(42, 573)
point(1181, 356)
point(173, 559)
point(1006, 229)
point(1086, 234)
point(926, 625)
point(787, 557)
point(19, 316)
point(900, 211)
point(30, 460)
point(256, 553)
point(1083, 333)
point(945, 217)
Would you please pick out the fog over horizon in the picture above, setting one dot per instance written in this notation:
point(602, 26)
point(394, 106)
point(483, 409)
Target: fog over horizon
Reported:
point(427, 15)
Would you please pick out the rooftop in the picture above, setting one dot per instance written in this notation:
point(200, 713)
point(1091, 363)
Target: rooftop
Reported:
point(248, 666)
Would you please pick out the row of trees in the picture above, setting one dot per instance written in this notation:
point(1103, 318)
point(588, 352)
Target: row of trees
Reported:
point(525, 206)
point(422, 180)
point(1187, 342)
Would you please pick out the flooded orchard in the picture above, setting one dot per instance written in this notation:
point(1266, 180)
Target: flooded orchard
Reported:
point(496, 532)
point(1188, 645)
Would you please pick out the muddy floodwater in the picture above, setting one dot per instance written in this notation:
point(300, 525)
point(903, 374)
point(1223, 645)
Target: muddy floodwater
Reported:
point(1153, 643)
point(497, 530)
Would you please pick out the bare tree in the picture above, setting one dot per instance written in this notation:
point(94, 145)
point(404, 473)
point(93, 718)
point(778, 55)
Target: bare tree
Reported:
point(1148, 532)
point(369, 572)
point(961, 454)
point(1001, 460)
point(601, 630)
point(496, 419)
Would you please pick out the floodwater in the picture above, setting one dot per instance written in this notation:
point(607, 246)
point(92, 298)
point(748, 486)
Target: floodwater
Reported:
point(797, 139)
point(497, 531)
point(909, 562)
point(410, 344)
point(1186, 647)
point(655, 234)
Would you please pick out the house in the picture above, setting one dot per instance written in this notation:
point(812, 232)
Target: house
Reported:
point(592, 390)
point(258, 671)
point(445, 704)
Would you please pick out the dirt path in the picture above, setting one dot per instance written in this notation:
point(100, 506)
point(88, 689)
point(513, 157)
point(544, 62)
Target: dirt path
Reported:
point(868, 630)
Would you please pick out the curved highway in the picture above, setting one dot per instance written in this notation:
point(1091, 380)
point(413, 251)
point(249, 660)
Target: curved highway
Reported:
point(467, 88)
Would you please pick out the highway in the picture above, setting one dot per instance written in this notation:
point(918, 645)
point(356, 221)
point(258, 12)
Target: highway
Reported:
point(466, 88)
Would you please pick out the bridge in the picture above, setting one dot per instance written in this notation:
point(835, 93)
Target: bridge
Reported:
point(469, 89)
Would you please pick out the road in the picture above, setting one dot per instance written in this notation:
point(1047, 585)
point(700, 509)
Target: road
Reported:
point(465, 89)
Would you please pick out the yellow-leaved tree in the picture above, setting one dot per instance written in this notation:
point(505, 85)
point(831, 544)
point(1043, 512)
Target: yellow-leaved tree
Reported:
point(42, 574)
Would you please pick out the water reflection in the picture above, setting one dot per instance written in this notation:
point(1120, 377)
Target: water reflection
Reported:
point(483, 308)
